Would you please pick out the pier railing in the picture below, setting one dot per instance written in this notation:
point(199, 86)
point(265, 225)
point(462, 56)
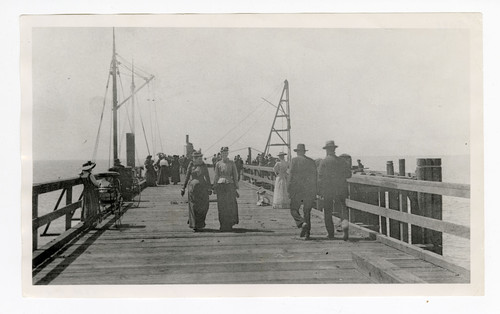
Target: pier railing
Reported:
point(260, 176)
point(395, 202)
point(66, 187)
point(405, 209)
point(89, 215)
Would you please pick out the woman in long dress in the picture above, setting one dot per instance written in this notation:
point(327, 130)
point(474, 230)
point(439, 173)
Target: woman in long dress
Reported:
point(150, 171)
point(175, 170)
point(281, 198)
point(163, 173)
point(225, 186)
point(199, 189)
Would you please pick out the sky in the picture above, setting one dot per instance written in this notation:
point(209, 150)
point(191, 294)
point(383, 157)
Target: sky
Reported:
point(375, 92)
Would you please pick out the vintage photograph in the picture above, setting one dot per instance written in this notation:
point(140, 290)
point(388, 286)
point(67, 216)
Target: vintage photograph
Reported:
point(269, 149)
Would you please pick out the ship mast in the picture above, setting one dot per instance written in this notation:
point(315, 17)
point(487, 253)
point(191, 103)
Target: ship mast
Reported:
point(115, 102)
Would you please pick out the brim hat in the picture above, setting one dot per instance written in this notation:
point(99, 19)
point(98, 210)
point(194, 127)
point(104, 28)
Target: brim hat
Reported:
point(197, 154)
point(282, 154)
point(89, 165)
point(330, 144)
point(300, 147)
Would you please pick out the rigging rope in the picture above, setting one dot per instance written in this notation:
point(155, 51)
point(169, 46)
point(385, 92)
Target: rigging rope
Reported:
point(151, 121)
point(144, 132)
point(96, 145)
point(158, 127)
point(237, 125)
point(273, 91)
point(110, 140)
point(249, 129)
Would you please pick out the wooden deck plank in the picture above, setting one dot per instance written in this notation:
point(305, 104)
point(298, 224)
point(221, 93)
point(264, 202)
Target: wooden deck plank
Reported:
point(155, 246)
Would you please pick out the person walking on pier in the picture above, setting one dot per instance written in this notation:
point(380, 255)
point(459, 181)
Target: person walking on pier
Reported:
point(175, 170)
point(226, 186)
point(163, 171)
point(332, 189)
point(199, 190)
point(302, 189)
point(281, 198)
point(150, 171)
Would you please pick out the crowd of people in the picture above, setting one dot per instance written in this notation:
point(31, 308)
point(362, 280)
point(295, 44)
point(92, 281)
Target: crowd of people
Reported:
point(165, 169)
point(298, 184)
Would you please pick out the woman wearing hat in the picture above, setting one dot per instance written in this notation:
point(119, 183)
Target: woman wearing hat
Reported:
point(90, 206)
point(199, 189)
point(163, 172)
point(225, 186)
point(281, 198)
point(150, 171)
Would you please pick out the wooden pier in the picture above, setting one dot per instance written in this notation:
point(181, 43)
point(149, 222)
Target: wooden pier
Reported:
point(152, 244)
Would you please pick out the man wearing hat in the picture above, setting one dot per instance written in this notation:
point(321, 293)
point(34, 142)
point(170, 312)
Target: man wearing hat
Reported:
point(332, 188)
point(302, 189)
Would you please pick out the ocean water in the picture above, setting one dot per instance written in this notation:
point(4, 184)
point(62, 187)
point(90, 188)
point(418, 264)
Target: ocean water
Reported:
point(455, 169)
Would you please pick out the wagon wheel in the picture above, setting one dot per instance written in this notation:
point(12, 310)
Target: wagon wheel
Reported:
point(136, 190)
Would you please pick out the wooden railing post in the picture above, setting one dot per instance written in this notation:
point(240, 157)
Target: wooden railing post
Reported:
point(69, 200)
point(436, 210)
point(395, 228)
point(34, 216)
point(403, 203)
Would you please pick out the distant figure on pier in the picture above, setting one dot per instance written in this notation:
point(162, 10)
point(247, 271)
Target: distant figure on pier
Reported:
point(281, 198)
point(226, 186)
point(175, 170)
point(150, 171)
point(185, 164)
point(90, 205)
point(117, 164)
point(163, 172)
point(360, 165)
point(199, 189)
point(302, 189)
point(214, 160)
point(332, 189)
point(239, 165)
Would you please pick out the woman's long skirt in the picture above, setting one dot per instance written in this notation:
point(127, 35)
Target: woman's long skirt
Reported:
point(198, 204)
point(280, 197)
point(227, 206)
point(163, 176)
point(150, 177)
point(175, 174)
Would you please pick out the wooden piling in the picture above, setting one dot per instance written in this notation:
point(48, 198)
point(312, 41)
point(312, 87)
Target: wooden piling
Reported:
point(436, 210)
point(394, 228)
point(390, 168)
point(402, 168)
point(403, 202)
point(417, 233)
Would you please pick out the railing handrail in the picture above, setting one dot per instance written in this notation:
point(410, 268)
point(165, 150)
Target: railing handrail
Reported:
point(431, 187)
point(261, 168)
point(54, 185)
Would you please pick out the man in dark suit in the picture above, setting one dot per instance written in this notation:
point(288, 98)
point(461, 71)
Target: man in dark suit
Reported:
point(302, 189)
point(332, 187)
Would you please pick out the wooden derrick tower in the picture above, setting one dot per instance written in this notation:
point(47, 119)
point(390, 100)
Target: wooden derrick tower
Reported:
point(281, 125)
